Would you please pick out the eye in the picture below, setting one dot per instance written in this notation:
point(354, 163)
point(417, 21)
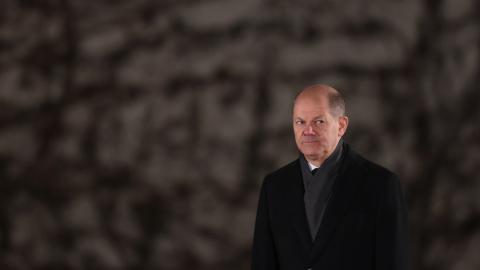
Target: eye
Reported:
point(299, 122)
point(319, 122)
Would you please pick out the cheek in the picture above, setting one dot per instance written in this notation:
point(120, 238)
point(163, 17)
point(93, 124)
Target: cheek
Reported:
point(298, 137)
point(332, 136)
point(323, 141)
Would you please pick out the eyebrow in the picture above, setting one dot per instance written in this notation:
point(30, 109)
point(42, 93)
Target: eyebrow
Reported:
point(315, 118)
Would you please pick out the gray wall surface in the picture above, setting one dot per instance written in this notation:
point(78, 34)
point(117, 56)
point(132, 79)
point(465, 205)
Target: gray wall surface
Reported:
point(136, 134)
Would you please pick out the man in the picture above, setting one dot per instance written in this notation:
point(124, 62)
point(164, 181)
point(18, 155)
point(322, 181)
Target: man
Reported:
point(330, 209)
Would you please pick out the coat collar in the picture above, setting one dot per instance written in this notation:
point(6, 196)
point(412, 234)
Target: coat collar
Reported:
point(349, 178)
point(297, 207)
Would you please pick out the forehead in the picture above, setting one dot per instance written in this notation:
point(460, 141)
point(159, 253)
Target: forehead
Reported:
point(311, 107)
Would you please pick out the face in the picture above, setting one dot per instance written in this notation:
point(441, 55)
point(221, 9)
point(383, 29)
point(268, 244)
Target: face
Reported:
point(317, 131)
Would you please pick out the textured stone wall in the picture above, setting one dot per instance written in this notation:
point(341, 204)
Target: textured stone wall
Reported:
point(135, 134)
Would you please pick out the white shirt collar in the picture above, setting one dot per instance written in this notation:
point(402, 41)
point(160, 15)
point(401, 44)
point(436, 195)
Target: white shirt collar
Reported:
point(311, 166)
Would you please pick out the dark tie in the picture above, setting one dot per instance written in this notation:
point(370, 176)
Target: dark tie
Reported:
point(314, 171)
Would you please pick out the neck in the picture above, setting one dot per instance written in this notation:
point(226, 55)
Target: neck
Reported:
point(316, 159)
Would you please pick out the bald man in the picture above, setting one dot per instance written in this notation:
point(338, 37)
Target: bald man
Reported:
point(330, 208)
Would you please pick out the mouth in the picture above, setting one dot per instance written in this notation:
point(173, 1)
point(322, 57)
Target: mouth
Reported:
point(309, 142)
point(309, 139)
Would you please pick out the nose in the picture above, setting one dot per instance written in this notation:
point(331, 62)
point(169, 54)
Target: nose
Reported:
point(308, 130)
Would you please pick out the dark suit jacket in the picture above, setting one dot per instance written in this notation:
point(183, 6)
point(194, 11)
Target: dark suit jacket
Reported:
point(364, 227)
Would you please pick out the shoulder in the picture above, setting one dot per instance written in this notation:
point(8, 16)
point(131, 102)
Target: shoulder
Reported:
point(372, 169)
point(285, 172)
point(286, 169)
point(379, 179)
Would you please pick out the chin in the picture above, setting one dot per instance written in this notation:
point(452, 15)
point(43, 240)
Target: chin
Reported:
point(313, 152)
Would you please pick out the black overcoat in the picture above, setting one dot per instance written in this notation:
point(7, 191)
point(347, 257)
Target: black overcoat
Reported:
point(364, 226)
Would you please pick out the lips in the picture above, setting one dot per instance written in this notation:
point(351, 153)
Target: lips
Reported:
point(310, 140)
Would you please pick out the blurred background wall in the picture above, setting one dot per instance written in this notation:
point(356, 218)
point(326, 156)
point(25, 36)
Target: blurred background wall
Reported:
point(135, 134)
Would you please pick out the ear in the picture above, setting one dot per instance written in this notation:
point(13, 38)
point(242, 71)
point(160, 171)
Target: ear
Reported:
point(342, 125)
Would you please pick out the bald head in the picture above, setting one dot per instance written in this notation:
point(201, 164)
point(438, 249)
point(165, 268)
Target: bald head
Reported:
point(316, 93)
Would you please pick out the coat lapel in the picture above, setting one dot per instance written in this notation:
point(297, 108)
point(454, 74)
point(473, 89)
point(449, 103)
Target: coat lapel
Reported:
point(297, 207)
point(349, 178)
